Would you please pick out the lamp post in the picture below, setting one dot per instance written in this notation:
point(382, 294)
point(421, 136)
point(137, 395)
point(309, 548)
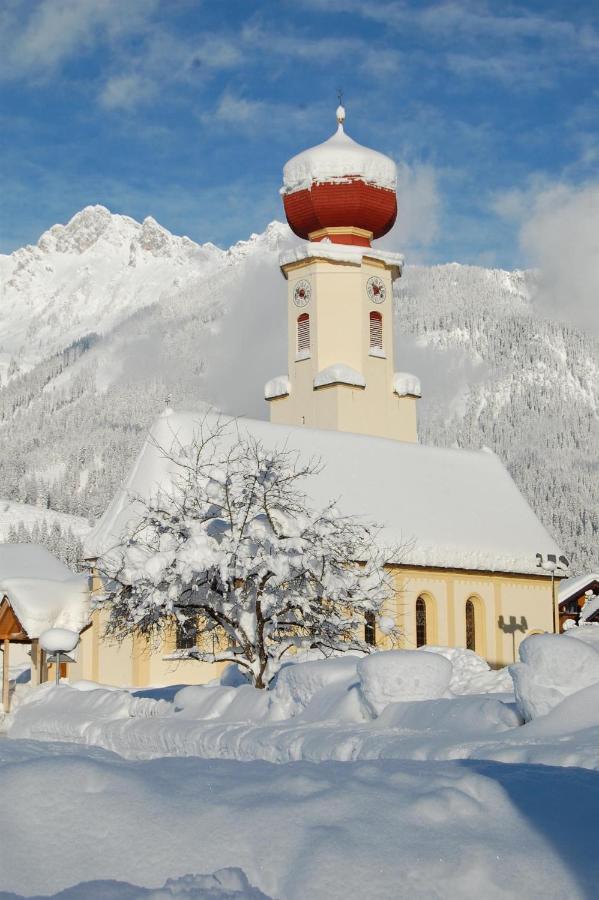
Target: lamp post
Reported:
point(551, 563)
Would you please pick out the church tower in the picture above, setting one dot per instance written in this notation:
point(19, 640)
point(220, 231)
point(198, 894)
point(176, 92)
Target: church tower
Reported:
point(338, 197)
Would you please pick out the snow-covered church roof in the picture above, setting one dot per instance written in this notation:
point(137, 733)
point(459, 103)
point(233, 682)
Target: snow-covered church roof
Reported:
point(42, 591)
point(446, 508)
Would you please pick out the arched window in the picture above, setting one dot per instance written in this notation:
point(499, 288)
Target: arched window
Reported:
point(186, 636)
point(470, 626)
point(370, 629)
point(303, 333)
point(420, 622)
point(376, 331)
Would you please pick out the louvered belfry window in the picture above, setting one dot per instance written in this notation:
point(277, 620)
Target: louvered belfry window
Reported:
point(303, 333)
point(376, 331)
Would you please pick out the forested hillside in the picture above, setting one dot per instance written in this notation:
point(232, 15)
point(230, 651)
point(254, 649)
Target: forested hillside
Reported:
point(206, 326)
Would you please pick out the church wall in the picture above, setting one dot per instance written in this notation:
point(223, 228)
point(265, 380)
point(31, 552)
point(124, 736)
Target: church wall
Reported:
point(507, 608)
point(134, 662)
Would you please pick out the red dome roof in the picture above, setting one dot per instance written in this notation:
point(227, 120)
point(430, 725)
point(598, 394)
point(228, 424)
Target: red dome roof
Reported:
point(341, 191)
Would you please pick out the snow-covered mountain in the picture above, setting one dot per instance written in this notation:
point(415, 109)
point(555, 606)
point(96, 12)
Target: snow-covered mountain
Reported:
point(105, 317)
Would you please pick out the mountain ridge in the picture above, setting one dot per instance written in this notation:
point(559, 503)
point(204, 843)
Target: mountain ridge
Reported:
point(145, 314)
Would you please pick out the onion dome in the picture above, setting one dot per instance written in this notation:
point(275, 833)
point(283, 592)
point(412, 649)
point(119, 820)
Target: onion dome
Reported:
point(340, 190)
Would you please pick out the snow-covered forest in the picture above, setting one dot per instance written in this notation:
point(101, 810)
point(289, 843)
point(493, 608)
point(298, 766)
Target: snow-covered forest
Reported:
point(105, 318)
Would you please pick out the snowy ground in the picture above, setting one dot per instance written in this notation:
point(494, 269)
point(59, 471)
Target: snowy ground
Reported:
point(391, 777)
point(377, 829)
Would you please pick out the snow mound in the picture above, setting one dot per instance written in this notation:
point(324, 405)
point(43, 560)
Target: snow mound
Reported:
point(68, 711)
point(552, 667)
point(297, 684)
point(400, 675)
point(457, 716)
point(471, 673)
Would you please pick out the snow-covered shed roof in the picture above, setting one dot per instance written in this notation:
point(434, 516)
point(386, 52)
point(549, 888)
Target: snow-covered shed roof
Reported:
point(41, 590)
point(572, 588)
point(447, 508)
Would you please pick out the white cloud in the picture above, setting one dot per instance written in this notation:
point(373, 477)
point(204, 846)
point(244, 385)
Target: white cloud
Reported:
point(419, 202)
point(125, 91)
point(559, 234)
point(39, 37)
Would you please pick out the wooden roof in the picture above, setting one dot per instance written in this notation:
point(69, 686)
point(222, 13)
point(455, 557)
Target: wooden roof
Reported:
point(10, 627)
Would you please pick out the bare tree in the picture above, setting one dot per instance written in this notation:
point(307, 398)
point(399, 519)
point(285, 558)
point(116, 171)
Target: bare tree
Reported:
point(233, 552)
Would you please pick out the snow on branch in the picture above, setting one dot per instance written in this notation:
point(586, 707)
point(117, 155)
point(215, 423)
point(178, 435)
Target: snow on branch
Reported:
point(232, 550)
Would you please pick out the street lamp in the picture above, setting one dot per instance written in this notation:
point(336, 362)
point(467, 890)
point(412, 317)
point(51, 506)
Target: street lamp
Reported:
point(551, 563)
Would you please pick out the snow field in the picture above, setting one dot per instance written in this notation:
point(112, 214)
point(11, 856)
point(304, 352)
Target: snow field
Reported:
point(375, 829)
point(392, 705)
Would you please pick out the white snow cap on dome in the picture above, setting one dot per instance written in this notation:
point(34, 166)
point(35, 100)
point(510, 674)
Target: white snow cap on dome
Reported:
point(336, 160)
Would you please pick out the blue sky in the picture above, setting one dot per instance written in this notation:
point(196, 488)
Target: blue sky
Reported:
point(187, 110)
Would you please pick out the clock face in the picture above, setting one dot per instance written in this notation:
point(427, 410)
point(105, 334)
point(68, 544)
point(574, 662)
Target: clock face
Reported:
point(376, 290)
point(302, 293)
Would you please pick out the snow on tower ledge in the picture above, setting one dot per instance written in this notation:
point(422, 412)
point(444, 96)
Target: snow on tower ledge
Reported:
point(279, 386)
point(406, 385)
point(345, 253)
point(339, 373)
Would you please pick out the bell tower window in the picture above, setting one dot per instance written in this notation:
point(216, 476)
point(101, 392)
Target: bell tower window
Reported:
point(303, 334)
point(376, 331)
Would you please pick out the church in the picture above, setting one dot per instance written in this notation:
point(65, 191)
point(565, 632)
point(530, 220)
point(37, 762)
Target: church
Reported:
point(468, 573)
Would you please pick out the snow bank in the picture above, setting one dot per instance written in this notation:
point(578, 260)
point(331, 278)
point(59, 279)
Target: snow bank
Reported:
point(60, 712)
point(552, 667)
point(471, 673)
point(402, 675)
point(374, 829)
point(458, 716)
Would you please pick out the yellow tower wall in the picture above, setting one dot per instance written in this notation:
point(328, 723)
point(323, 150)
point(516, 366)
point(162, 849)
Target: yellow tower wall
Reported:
point(340, 333)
